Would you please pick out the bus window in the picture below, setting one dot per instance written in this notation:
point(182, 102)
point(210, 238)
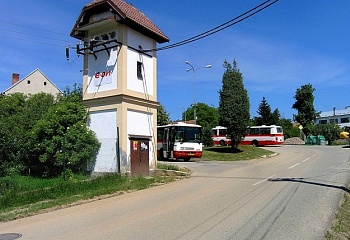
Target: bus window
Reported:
point(254, 131)
point(180, 136)
point(264, 130)
point(160, 134)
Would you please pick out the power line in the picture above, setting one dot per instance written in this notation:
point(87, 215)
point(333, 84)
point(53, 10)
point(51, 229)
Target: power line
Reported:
point(221, 27)
point(14, 24)
point(27, 40)
point(34, 35)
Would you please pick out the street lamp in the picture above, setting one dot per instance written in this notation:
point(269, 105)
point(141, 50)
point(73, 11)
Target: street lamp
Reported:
point(183, 111)
point(194, 86)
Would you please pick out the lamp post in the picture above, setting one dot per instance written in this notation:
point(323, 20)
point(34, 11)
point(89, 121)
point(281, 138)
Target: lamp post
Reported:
point(184, 112)
point(194, 86)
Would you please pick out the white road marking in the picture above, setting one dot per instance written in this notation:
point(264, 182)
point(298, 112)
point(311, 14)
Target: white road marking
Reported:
point(306, 159)
point(294, 166)
point(257, 183)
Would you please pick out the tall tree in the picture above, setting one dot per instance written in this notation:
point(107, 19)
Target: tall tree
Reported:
point(266, 117)
point(233, 103)
point(304, 104)
point(162, 116)
point(264, 111)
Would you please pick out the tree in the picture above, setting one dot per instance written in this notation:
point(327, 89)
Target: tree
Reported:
point(162, 116)
point(233, 104)
point(304, 104)
point(330, 132)
point(60, 138)
point(266, 117)
point(35, 128)
point(264, 111)
point(289, 130)
point(206, 115)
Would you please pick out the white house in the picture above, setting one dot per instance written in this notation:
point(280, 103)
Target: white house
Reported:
point(120, 84)
point(341, 117)
point(35, 82)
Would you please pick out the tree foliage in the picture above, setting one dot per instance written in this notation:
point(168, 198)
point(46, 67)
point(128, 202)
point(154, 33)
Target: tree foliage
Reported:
point(304, 104)
point(206, 115)
point(289, 130)
point(162, 116)
point(35, 129)
point(233, 103)
point(330, 132)
point(266, 117)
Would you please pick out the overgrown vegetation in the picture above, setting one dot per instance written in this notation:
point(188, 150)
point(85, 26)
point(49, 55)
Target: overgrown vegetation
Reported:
point(41, 134)
point(341, 226)
point(22, 196)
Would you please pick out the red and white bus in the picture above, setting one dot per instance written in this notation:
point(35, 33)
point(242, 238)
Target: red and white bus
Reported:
point(220, 136)
point(256, 136)
point(179, 141)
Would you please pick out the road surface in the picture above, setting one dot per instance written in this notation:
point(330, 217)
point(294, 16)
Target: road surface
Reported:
point(293, 195)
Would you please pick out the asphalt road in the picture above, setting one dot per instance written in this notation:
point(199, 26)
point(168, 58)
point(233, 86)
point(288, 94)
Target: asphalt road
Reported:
point(293, 195)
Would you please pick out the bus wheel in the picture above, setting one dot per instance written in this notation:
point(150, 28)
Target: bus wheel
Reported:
point(255, 143)
point(187, 159)
point(222, 143)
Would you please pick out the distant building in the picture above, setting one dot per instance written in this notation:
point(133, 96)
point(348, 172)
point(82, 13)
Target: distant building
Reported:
point(341, 117)
point(35, 82)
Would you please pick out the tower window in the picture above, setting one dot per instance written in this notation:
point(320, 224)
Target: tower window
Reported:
point(28, 81)
point(139, 70)
point(44, 83)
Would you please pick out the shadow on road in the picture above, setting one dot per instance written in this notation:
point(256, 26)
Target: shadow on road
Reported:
point(301, 180)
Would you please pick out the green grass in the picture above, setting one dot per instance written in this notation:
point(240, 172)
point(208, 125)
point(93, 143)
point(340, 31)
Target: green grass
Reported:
point(240, 154)
point(341, 226)
point(23, 196)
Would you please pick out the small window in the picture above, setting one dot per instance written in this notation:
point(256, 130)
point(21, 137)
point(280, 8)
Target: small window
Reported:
point(139, 70)
point(344, 120)
point(44, 83)
point(28, 81)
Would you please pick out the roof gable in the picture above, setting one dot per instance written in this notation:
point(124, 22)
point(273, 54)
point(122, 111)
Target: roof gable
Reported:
point(127, 14)
point(23, 80)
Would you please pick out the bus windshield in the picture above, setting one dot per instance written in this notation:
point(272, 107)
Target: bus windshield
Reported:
point(188, 134)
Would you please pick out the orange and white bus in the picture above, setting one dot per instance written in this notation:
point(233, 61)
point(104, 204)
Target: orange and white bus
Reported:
point(179, 141)
point(256, 136)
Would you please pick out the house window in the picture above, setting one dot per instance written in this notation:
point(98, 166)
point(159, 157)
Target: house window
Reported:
point(344, 120)
point(44, 83)
point(139, 70)
point(322, 121)
point(28, 81)
point(332, 120)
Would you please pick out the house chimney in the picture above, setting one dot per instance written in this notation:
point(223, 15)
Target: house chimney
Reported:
point(15, 78)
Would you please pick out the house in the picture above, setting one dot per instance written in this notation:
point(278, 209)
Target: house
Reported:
point(33, 83)
point(120, 84)
point(341, 117)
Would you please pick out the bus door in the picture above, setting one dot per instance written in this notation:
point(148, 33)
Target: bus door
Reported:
point(165, 143)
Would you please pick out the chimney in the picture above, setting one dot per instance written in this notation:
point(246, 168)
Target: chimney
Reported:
point(15, 78)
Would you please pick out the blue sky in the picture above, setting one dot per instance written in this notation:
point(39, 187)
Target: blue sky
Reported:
point(290, 44)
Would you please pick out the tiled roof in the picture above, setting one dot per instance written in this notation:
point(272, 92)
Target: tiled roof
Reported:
point(132, 16)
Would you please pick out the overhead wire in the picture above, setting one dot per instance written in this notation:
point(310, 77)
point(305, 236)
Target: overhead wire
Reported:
point(220, 27)
point(15, 24)
point(34, 35)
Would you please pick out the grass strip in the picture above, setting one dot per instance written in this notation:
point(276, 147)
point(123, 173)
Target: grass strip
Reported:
point(224, 153)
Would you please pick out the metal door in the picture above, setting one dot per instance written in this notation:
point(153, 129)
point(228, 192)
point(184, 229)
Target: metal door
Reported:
point(139, 154)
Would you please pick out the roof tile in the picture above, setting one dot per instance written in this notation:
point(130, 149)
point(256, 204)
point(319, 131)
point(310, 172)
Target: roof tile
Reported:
point(135, 15)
